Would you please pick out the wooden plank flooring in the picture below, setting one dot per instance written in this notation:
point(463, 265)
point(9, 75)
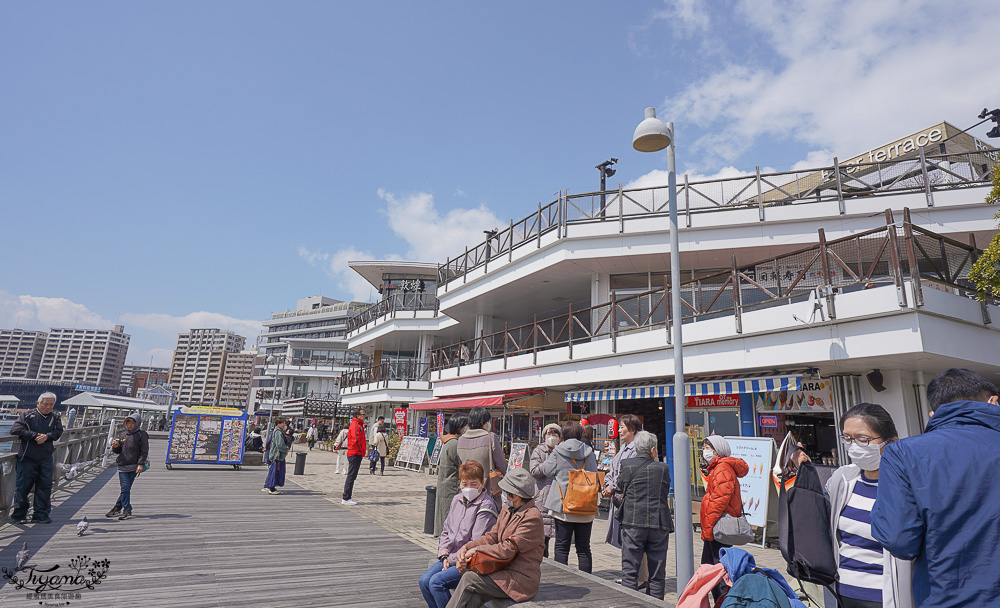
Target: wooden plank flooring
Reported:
point(208, 537)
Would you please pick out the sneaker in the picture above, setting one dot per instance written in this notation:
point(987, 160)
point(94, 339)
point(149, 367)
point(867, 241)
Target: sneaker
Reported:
point(16, 520)
point(42, 520)
point(264, 489)
point(114, 512)
point(348, 501)
point(272, 492)
point(126, 514)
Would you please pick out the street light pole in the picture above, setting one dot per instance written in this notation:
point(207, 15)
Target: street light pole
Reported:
point(274, 393)
point(652, 136)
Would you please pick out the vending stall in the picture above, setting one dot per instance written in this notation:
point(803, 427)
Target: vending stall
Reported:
point(207, 435)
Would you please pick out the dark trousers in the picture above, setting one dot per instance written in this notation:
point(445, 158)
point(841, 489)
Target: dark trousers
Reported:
point(474, 590)
point(275, 474)
point(125, 480)
point(312, 442)
point(353, 466)
point(710, 555)
point(568, 533)
point(375, 462)
point(651, 543)
point(848, 602)
point(35, 474)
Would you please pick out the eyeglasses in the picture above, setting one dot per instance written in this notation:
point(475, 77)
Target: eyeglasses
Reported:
point(858, 440)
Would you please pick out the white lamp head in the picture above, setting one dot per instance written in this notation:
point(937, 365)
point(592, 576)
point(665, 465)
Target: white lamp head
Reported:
point(652, 135)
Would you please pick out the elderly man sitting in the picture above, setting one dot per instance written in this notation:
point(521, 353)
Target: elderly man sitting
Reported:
point(646, 521)
point(517, 535)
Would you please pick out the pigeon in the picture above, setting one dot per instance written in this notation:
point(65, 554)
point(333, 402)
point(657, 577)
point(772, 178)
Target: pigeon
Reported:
point(72, 472)
point(82, 527)
point(22, 557)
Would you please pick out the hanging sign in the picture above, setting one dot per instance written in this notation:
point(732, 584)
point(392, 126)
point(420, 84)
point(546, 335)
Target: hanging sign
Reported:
point(440, 423)
point(422, 429)
point(399, 417)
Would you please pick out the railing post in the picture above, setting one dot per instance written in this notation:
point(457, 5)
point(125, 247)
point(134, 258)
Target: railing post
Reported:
point(479, 349)
point(911, 255)
point(621, 210)
point(505, 337)
point(570, 337)
point(666, 304)
point(466, 273)
point(534, 339)
point(562, 219)
point(614, 323)
point(928, 193)
point(760, 196)
point(840, 186)
point(827, 279)
point(538, 244)
point(737, 300)
point(897, 267)
point(974, 255)
point(687, 201)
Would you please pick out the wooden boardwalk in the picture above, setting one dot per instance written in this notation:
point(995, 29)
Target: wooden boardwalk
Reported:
point(207, 536)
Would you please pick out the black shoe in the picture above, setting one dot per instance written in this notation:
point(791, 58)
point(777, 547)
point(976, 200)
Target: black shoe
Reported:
point(126, 514)
point(114, 512)
point(43, 520)
point(16, 520)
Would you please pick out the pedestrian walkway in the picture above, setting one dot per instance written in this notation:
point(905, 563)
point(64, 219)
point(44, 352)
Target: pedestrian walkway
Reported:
point(206, 536)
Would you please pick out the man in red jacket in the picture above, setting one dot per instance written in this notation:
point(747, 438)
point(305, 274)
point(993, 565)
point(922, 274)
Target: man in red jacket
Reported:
point(356, 448)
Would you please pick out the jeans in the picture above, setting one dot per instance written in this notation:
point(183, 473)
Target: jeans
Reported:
point(652, 543)
point(275, 474)
point(35, 474)
point(312, 442)
point(353, 465)
point(436, 584)
point(569, 532)
point(125, 498)
point(373, 463)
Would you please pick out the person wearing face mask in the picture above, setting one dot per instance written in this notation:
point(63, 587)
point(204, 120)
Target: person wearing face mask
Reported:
point(448, 464)
point(552, 435)
point(571, 528)
point(628, 426)
point(722, 495)
point(868, 576)
point(481, 444)
point(472, 514)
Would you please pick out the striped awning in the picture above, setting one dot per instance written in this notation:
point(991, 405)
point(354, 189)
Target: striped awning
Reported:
point(695, 387)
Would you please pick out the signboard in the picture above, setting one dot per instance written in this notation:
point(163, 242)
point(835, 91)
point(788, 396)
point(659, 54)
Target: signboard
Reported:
point(517, 453)
point(422, 429)
point(815, 396)
point(758, 453)
point(436, 454)
point(768, 421)
point(440, 424)
point(713, 401)
point(412, 451)
point(536, 428)
point(207, 435)
point(198, 410)
point(399, 417)
point(87, 388)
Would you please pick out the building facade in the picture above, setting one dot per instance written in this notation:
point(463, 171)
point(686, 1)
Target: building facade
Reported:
point(91, 357)
point(199, 360)
point(136, 377)
point(236, 377)
point(21, 352)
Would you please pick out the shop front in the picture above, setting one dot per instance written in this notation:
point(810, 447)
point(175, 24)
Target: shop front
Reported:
point(808, 414)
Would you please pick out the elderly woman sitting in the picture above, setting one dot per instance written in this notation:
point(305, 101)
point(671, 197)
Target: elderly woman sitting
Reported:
point(471, 515)
point(517, 536)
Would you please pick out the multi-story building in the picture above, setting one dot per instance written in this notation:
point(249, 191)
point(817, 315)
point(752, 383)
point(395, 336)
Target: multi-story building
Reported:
point(21, 352)
point(137, 377)
point(198, 363)
point(803, 293)
point(89, 357)
point(161, 394)
point(236, 377)
point(302, 356)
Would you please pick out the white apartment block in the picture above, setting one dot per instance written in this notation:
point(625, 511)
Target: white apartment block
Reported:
point(198, 363)
point(92, 357)
point(21, 352)
point(236, 377)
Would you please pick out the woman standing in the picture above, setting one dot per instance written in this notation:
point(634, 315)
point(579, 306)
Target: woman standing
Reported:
point(868, 576)
point(628, 426)
point(481, 444)
point(380, 443)
point(722, 494)
point(551, 436)
point(571, 528)
point(340, 447)
point(311, 436)
point(448, 481)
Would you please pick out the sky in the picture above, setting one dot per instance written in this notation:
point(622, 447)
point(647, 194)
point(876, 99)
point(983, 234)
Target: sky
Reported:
point(173, 165)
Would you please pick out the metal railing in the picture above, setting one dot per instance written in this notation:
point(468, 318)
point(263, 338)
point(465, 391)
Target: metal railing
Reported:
point(80, 444)
point(837, 182)
point(885, 255)
point(342, 306)
point(412, 372)
point(389, 307)
point(314, 395)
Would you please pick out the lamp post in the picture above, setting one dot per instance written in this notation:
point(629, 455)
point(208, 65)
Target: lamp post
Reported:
point(652, 136)
point(274, 390)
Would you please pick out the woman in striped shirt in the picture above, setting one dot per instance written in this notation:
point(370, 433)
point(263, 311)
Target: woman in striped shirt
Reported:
point(868, 576)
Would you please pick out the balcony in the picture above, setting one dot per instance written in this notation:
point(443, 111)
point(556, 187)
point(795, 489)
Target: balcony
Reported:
point(411, 373)
point(392, 306)
point(341, 307)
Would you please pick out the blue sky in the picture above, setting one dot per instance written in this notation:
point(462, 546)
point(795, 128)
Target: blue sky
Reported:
point(176, 165)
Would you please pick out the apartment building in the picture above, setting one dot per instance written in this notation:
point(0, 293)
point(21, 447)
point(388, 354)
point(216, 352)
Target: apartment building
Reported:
point(198, 364)
point(21, 352)
point(137, 377)
point(236, 377)
point(89, 357)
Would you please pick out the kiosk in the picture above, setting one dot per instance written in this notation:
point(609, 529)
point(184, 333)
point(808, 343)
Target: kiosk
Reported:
point(207, 435)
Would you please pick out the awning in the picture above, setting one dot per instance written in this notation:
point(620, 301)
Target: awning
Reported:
point(471, 401)
point(694, 387)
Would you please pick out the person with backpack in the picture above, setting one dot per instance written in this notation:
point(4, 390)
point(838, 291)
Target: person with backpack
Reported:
point(572, 467)
point(133, 452)
point(38, 429)
point(939, 500)
point(722, 495)
point(254, 442)
point(276, 448)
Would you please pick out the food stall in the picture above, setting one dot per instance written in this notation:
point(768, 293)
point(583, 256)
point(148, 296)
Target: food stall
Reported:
point(207, 435)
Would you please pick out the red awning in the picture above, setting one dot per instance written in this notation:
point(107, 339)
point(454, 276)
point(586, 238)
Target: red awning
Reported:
point(471, 401)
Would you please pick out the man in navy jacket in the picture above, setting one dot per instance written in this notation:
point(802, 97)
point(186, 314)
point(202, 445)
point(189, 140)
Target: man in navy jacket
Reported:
point(38, 430)
point(938, 499)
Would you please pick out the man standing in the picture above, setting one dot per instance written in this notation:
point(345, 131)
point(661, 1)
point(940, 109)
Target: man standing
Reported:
point(356, 447)
point(938, 502)
point(276, 451)
point(38, 431)
point(132, 450)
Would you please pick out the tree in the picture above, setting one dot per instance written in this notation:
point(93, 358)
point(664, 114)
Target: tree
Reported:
point(985, 273)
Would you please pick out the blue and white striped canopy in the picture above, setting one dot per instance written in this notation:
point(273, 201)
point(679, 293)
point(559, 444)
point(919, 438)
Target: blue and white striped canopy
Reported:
point(620, 392)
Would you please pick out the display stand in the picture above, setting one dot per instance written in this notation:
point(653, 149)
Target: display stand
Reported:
point(412, 453)
point(756, 488)
point(517, 453)
point(207, 435)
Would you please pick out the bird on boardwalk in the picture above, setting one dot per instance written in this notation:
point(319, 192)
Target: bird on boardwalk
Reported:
point(82, 526)
point(22, 557)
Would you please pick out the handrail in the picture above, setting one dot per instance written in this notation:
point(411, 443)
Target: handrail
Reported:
point(390, 371)
point(836, 182)
point(397, 302)
point(859, 261)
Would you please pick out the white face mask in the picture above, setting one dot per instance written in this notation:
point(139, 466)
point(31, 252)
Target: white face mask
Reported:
point(708, 455)
point(552, 441)
point(506, 498)
point(470, 494)
point(867, 457)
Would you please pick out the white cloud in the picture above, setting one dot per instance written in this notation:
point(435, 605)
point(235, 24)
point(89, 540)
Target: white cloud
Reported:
point(42, 313)
point(169, 324)
point(433, 237)
point(335, 266)
point(160, 357)
point(847, 76)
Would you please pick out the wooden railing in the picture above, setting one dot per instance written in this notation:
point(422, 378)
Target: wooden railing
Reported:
point(391, 306)
point(413, 373)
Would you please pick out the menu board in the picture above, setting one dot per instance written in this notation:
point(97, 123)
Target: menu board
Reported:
point(206, 447)
point(231, 446)
point(412, 450)
point(436, 454)
point(182, 439)
point(517, 452)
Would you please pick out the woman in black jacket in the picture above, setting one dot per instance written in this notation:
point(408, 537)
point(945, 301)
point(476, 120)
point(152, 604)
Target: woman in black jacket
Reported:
point(132, 450)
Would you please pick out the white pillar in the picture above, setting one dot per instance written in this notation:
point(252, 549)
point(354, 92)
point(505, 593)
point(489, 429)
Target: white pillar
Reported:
point(600, 293)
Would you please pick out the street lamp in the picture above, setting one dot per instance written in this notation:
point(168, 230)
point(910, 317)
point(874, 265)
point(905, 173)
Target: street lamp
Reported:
point(274, 390)
point(607, 171)
point(652, 136)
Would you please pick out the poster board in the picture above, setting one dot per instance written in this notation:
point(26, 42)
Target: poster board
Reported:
point(755, 486)
point(517, 453)
point(207, 435)
point(405, 447)
point(605, 452)
point(436, 454)
point(412, 452)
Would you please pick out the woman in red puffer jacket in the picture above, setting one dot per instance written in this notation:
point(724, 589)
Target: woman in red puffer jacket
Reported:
point(722, 494)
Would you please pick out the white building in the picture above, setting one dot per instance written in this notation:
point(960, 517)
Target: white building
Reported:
point(198, 364)
point(21, 352)
point(236, 378)
point(89, 357)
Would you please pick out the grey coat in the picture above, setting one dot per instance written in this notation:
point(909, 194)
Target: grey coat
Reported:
point(647, 490)
point(480, 445)
point(542, 484)
point(447, 482)
point(557, 467)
